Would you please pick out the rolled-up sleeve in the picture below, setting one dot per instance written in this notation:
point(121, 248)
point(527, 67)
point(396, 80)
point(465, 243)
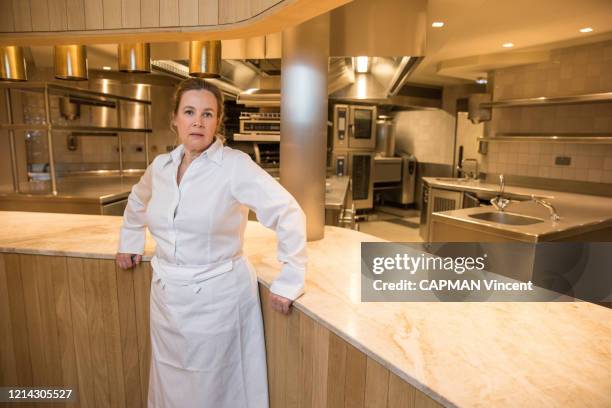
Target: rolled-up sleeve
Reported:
point(276, 209)
point(133, 229)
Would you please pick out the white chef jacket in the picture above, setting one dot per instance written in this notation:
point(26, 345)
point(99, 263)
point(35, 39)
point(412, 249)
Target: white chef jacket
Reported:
point(202, 221)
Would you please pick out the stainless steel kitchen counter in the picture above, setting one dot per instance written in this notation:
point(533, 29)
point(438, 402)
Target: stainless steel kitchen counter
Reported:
point(336, 188)
point(103, 189)
point(96, 188)
point(580, 213)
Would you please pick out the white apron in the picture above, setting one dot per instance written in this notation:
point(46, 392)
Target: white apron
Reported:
point(206, 336)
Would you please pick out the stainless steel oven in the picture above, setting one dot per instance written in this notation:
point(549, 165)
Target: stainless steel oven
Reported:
point(359, 165)
point(354, 127)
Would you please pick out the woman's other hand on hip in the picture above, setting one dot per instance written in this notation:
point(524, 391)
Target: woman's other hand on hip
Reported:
point(126, 261)
point(279, 303)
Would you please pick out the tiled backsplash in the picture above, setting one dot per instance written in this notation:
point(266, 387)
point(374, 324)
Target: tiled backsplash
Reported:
point(427, 134)
point(537, 159)
point(430, 134)
point(570, 119)
point(89, 149)
point(94, 152)
point(571, 71)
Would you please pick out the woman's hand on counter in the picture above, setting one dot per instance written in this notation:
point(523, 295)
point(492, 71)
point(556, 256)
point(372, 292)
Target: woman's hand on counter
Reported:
point(126, 261)
point(279, 303)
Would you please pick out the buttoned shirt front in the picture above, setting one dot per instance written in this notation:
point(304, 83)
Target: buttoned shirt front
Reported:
point(202, 220)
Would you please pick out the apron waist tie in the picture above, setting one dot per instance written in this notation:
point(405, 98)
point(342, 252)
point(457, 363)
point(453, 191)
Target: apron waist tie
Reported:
point(189, 275)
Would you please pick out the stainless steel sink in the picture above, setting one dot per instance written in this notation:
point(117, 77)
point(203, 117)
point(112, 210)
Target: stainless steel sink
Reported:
point(506, 218)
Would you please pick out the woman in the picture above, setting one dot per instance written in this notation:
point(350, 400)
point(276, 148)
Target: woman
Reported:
point(206, 326)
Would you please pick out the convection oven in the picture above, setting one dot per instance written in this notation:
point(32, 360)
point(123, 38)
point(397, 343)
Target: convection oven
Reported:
point(354, 127)
point(359, 166)
point(353, 144)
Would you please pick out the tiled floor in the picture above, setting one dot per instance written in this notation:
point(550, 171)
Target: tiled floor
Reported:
point(393, 224)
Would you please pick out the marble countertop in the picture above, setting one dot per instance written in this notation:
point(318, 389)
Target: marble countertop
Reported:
point(461, 354)
point(579, 213)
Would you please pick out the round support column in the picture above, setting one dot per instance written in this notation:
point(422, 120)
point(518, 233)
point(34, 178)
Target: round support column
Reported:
point(305, 55)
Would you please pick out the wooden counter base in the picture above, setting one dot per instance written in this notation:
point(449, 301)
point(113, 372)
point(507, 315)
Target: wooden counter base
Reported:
point(82, 323)
point(76, 322)
point(310, 366)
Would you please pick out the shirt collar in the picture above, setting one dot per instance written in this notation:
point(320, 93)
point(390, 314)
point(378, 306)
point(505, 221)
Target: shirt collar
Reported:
point(214, 152)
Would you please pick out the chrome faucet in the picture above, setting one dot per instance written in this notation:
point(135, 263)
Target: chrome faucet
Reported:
point(469, 174)
point(551, 209)
point(499, 202)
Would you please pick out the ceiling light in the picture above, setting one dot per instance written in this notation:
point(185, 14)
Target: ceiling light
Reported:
point(106, 68)
point(508, 45)
point(205, 59)
point(12, 64)
point(70, 62)
point(362, 64)
point(437, 24)
point(586, 30)
point(134, 57)
point(482, 81)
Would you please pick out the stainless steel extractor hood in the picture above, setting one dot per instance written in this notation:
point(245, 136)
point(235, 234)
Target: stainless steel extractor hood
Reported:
point(384, 84)
point(232, 81)
point(381, 85)
point(260, 97)
point(391, 34)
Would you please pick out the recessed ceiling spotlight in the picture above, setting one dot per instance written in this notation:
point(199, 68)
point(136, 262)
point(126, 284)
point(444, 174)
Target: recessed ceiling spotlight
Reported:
point(586, 30)
point(437, 24)
point(482, 81)
point(106, 68)
point(508, 45)
point(362, 64)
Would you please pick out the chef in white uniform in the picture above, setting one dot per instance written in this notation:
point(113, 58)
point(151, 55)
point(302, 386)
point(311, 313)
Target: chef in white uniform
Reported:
point(206, 327)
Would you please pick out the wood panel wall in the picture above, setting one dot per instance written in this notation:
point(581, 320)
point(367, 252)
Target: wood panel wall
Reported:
point(84, 324)
point(78, 15)
point(52, 22)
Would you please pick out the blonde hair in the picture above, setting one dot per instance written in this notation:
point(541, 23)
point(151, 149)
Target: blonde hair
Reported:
point(199, 84)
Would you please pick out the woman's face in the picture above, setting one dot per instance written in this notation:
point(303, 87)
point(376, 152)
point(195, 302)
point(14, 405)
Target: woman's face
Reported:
point(196, 120)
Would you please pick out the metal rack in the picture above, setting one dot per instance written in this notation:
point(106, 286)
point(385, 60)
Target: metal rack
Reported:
point(559, 138)
point(48, 89)
point(542, 100)
point(585, 138)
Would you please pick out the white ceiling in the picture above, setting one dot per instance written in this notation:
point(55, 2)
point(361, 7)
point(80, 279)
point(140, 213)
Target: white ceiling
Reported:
point(480, 27)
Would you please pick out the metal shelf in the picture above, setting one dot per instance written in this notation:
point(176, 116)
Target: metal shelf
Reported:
point(24, 126)
point(47, 89)
point(245, 137)
point(586, 139)
point(542, 101)
point(67, 90)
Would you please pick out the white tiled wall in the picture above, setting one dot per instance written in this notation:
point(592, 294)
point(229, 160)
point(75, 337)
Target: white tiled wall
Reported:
point(537, 159)
point(427, 134)
point(430, 134)
point(571, 71)
point(90, 149)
